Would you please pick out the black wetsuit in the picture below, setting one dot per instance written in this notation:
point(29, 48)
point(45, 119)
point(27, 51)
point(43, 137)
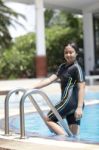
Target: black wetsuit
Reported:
point(69, 76)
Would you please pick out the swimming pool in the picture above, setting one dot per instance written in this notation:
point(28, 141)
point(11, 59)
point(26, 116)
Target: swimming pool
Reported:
point(35, 126)
point(89, 130)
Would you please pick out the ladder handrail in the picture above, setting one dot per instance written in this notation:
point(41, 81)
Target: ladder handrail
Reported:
point(36, 91)
point(22, 120)
point(7, 107)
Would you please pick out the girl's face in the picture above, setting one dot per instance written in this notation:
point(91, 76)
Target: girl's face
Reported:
point(70, 54)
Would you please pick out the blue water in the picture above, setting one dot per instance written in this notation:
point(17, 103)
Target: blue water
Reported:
point(89, 95)
point(89, 129)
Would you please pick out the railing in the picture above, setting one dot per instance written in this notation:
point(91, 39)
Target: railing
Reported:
point(92, 78)
point(29, 94)
point(7, 107)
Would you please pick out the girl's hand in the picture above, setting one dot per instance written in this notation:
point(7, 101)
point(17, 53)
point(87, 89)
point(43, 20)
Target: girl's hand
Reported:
point(78, 113)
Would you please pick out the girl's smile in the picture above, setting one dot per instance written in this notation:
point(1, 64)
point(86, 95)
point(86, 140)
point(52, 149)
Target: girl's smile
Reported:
point(70, 54)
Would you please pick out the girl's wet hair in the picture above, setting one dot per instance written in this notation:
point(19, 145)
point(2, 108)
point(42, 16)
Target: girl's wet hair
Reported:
point(73, 45)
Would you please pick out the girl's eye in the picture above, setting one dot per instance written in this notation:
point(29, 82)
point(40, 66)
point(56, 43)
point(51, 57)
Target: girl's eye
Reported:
point(68, 53)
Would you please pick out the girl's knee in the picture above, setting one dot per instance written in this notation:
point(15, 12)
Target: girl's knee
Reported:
point(46, 118)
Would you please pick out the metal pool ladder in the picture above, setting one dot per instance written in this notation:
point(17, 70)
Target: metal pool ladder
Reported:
point(29, 94)
point(7, 107)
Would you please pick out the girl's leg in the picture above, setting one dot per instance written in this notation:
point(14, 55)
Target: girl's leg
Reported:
point(74, 129)
point(74, 124)
point(55, 127)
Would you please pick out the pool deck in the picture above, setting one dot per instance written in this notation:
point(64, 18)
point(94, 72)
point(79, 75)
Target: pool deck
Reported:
point(13, 141)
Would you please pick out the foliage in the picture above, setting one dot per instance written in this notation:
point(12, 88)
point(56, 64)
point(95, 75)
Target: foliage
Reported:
point(48, 17)
point(56, 39)
point(62, 18)
point(7, 17)
point(66, 27)
point(18, 60)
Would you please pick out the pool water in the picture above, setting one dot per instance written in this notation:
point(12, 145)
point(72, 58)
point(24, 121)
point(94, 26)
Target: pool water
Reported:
point(89, 95)
point(89, 130)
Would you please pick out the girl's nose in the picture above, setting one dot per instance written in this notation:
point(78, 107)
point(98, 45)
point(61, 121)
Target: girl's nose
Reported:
point(68, 54)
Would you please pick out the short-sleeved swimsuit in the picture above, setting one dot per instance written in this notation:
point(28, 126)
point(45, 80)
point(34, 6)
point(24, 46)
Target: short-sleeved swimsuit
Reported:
point(69, 76)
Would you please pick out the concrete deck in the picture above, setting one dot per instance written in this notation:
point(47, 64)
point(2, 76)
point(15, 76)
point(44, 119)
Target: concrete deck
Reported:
point(7, 85)
point(43, 144)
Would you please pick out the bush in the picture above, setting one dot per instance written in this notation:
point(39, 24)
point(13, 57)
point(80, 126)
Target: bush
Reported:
point(18, 61)
point(56, 39)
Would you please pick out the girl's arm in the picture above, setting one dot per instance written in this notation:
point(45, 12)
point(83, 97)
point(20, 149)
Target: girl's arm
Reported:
point(81, 91)
point(46, 81)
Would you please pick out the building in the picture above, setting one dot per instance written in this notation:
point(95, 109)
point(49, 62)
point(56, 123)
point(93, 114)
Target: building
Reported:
point(90, 11)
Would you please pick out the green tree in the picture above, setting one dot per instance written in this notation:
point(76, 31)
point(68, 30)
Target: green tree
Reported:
point(48, 17)
point(7, 17)
point(65, 20)
point(69, 26)
point(55, 44)
point(18, 61)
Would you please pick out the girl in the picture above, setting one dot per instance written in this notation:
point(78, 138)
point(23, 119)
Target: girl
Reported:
point(72, 86)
